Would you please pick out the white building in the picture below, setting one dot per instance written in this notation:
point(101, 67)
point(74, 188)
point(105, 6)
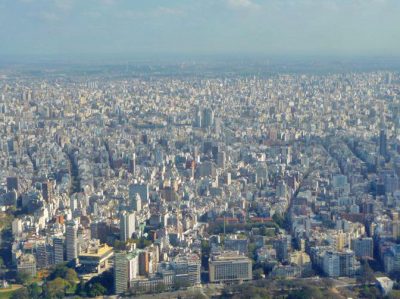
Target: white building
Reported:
point(127, 225)
point(230, 266)
point(71, 241)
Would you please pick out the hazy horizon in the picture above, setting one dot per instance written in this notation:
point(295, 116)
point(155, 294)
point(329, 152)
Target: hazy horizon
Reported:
point(154, 28)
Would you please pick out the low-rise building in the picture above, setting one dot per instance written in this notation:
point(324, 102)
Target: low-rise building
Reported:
point(95, 259)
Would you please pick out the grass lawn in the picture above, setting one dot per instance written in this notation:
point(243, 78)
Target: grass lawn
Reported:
point(6, 293)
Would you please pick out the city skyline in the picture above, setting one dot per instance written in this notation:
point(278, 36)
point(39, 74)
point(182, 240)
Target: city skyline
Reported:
point(226, 149)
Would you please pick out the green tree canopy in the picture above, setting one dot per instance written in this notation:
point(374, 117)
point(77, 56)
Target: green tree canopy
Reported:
point(306, 293)
point(56, 288)
point(71, 276)
point(35, 291)
point(23, 278)
point(21, 293)
point(96, 289)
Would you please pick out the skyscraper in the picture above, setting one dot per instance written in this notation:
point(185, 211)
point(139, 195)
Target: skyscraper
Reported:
point(58, 248)
point(221, 159)
point(121, 272)
point(42, 256)
point(363, 247)
point(127, 225)
point(382, 142)
point(47, 190)
point(71, 241)
point(331, 264)
point(197, 118)
point(144, 262)
point(282, 247)
point(132, 164)
point(208, 118)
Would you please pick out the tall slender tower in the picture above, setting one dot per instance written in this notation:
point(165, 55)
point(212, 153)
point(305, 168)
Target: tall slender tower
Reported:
point(121, 272)
point(127, 225)
point(71, 241)
point(382, 137)
point(58, 247)
point(132, 164)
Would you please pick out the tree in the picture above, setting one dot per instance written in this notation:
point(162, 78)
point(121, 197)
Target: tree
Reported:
point(96, 289)
point(370, 292)
point(367, 274)
point(23, 278)
point(306, 293)
point(68, 275)
point(119, 245)
point(105, 279)
point(59, 271)
point(198, 295)
point(56, 288)
point(21, 293)
point(247, 291)
point(71, 276)
point(34, 291)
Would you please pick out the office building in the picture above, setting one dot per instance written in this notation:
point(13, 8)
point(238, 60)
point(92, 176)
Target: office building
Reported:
point(363, 247)
point(391, 259)
point(71, 241)
point(96, 257)
point(337, 264)
point(144, 263)
point(331, 264)
point(43, 257)
point(282, 247)
point(127, 225)
point(121, 272)
point(207, 118)
point(382, 142)
point(58, 250)
point(229, 266)
point(187, 269)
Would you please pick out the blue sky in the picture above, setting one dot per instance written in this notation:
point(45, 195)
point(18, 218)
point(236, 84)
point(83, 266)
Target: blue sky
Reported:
point(268, 27)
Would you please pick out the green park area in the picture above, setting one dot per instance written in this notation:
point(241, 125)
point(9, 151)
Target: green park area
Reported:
point(7, 292)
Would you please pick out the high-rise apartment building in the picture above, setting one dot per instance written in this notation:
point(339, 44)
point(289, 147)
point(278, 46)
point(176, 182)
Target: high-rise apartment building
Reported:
point(71, 241)
point(121, 271)
point(127, 225)
point(58, 250)
point(363, 247)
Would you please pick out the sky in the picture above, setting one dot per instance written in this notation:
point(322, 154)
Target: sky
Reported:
point(198, 27)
